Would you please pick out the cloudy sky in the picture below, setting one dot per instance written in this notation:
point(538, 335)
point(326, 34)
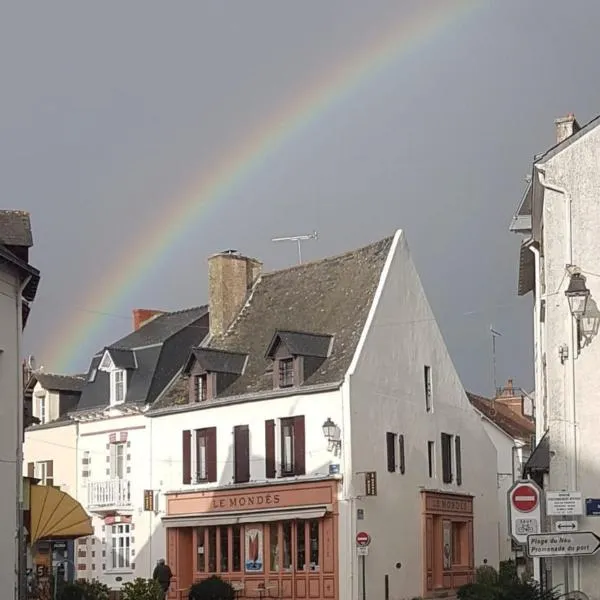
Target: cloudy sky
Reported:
point(143, 136)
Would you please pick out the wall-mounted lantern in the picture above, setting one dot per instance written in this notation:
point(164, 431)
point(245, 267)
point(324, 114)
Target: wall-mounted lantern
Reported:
point(332, 434)
point(577, 295)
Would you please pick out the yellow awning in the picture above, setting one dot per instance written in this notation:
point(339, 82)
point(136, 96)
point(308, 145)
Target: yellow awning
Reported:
point(55, 514)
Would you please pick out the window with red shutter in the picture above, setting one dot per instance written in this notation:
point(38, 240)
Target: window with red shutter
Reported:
point(30, 469)
point(241, 451)
point(270, 449)
point(211, 453)
point(186, 456)
point(299, 446)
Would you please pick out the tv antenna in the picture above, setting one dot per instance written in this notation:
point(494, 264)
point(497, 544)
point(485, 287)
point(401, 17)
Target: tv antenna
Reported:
point(298, 239)
point(495, 334)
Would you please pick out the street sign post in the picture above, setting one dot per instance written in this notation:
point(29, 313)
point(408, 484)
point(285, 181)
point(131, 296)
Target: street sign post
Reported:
point(547, 545)
point(363, 539)
point(524, 507)
point(567, 526)
point(564, 504)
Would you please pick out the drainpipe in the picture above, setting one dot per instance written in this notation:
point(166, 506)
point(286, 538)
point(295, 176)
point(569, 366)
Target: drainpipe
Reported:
point(537, 336)
point(21, 581)
point(570, 411)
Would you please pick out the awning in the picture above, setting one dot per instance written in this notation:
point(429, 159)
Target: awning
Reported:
point(55, 514)
point(253, 516)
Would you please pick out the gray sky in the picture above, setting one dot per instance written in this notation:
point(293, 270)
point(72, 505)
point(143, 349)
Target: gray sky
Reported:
point(110, 111)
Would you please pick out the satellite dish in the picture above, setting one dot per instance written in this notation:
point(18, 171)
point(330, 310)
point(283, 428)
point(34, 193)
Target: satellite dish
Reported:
point(31, 364)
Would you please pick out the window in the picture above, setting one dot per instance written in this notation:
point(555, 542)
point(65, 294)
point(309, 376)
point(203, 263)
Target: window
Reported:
point(224, 547)
point(446, 458)
point(390, 440)
point(117, 386)
point(201, 387)
point(44, 471)
point(458, 458)
point(200, 550)
point(117, 461)
point(236, 548)
point(241, 451)
point(120, 546)
point(286, 372)
point(92, 375)
point(459, 537)
point(41, 409)
point(300, 546)
point(428, 399)
point(292, 446)
point(401, 452)
point(86, 464)
point(199, 455)
point(274, 547)
point(431, 458)
point(294, 545)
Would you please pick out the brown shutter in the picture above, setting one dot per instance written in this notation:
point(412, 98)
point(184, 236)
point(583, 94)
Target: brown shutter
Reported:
point(299, 450)
point(457, 454)
point(270, 449)
point(50, 468)
point(211, 453)
point(30, 469)
point(241, 450)
point(402, 455)
point(390, 443)
point(446, 458)
point(186, 456)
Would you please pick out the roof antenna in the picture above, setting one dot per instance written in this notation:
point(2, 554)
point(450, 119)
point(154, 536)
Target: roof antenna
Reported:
point(298, 239)
point(495, 334)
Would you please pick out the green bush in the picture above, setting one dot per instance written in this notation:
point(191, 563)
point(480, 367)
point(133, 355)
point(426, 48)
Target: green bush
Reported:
point(142, 589)
point(83, 590)
point(212, 588)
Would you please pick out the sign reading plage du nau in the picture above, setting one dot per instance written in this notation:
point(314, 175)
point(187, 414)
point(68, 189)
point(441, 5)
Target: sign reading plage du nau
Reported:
point(546, 545)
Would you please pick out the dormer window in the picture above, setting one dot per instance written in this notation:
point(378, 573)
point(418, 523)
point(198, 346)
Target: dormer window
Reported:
point(286, 372)
point(116, 363)
point(297, 356)
point(211, 372)
point(117, 384)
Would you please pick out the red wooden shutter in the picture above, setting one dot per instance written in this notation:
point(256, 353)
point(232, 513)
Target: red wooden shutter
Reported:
point(186, 456)
point(458, 457)
point(299, 443)
point(390, 442)
point(241, 449)
point(270, 449)
point(30, 469)
point(211, 454)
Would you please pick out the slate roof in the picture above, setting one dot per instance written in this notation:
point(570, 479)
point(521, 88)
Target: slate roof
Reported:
point(152, 355)
point(218, 361)
point(15, 228)
point(514, 425)
point(327, 297)
point(301, 344)
point(60, 383)
point(539, 461)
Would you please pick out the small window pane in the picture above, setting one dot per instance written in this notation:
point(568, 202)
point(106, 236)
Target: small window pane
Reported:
point(200, 550)
point(224, 534)
point(274, 546)
point(236, 548)
point(314, 544)
point(300, 546)
point(212, 549)
point(287, 546)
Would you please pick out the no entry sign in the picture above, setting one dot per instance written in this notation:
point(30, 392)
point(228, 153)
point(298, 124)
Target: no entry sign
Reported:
point(363, 539)
point(525, 498)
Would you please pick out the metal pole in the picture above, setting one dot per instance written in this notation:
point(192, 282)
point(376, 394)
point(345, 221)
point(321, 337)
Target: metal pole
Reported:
point(299, 252)
point(364, 578)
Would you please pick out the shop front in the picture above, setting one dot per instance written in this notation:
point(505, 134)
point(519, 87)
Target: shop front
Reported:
point(448, 541)
point(275, 541)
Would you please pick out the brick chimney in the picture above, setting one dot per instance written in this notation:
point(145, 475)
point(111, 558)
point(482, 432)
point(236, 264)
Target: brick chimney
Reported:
point(566, 127)
point(230, 278)
point(512, 398)
point(142, 315)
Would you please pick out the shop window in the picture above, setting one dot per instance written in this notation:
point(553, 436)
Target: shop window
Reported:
point(224, 548)
point(300, 546)
point(286, 563)
point(313, 527)
point(274, 547)
point(446, 458)
point(212, 549)
point(200, 550)
point(236, 548)
point(292, 446)
point(459, 543)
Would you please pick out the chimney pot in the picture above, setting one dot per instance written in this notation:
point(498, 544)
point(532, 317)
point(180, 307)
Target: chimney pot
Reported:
point(566, 127)
point(230, 278)
point(142, 315)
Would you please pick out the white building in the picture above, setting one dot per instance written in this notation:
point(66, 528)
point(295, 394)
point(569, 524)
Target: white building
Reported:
point(18, 286)
point(507, 419)
point(560, 216)
point(250, 487)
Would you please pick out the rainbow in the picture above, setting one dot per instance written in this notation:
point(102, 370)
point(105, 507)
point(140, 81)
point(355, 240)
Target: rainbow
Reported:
point(65, 347)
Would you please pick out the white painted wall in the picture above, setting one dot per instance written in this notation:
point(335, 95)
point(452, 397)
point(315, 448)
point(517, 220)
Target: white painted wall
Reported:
point(10, 409)
point(387, 394)
point(166, 436)
point(575, 169)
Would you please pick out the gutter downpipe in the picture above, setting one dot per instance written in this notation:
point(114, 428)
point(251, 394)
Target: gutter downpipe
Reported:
point(537, 336)
point(570, 409)
point(20, 579)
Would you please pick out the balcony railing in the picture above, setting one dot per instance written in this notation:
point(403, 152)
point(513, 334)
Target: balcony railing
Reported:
point(109, 493)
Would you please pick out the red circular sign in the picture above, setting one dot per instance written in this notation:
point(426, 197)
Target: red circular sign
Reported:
point(524, 498)
point(363, 538)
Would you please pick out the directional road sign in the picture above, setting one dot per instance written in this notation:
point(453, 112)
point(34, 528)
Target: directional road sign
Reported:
point(524, 507)
point(578, 543)
point(567, 526)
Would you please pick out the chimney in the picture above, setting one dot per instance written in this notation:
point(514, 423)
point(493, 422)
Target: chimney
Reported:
point(566, 127)
point(230, 278)
point(142, 315)
point(512, 398)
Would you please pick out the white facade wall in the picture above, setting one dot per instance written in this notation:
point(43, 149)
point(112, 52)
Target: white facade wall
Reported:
point(577, 381)
point(11, 411)
point(166, 435)
point(387, 393)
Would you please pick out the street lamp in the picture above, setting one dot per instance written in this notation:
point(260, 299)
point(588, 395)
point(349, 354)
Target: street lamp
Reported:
point(577, 295)
point(332, 434)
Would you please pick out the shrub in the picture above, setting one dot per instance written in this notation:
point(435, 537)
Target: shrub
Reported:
point(141, 589)
point(84, 590)
point(486, 575)
point(212, 588)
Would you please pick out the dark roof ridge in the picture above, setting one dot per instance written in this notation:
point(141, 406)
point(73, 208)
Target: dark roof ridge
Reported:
point(318, 261)
point(304, 332)
point(76, 376)
point(210, 349)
